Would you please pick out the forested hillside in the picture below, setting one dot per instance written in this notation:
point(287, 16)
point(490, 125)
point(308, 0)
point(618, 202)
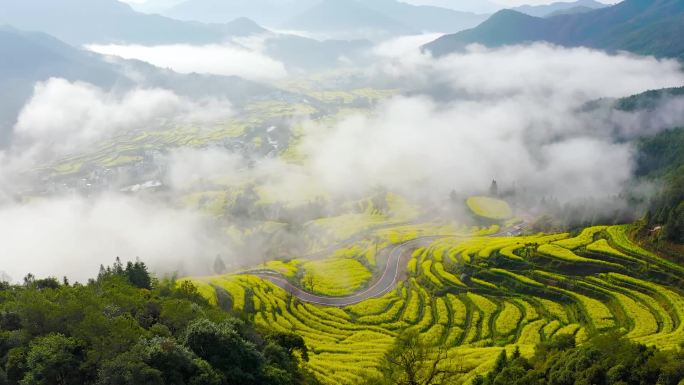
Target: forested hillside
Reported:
point(661, 159)
point(644, 27)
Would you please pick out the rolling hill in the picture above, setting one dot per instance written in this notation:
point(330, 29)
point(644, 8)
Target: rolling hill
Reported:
point(644, 27)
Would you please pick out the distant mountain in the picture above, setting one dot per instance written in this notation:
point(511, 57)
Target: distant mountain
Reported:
point(29, 57)
point(101, 21)
point(379, 19)
point(298, 52)
point(38, 56)
point(426, 18)
point(109, 21)
point(646, 27)
point(474, 6)
point(240, 27)
point(559, 8)
point(267, 12)
point(571, 11)
point(345, 17)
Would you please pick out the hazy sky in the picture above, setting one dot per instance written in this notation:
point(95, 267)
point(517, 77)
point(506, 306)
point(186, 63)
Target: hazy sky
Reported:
point(476, 6)
point(452, 3)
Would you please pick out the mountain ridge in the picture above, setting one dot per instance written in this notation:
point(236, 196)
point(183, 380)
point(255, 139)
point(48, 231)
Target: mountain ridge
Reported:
point(638, 26)
point(546, 10)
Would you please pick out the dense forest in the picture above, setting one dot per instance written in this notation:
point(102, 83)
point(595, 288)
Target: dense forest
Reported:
point(605, 360)
point(126, 328)
point(662, 158)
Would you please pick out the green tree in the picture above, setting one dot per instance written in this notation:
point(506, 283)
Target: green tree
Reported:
point(138, 275)
point(177, 364)
point(219, 265)
point(15, 368)
point(117, 331)
point(54, 360)
point(412, 361)
point(674, 228)
point(128, 369)
point(223, 347)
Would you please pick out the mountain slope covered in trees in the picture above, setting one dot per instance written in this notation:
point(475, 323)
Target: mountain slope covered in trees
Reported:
point(645, 27)
point(545, 10)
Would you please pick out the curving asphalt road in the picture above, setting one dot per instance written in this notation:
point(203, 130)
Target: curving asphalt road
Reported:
point(395, 268)
point(396, 265)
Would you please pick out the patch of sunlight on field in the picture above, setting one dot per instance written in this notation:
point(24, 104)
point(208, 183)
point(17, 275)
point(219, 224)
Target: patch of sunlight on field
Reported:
point(334, 277)
point(489, 208)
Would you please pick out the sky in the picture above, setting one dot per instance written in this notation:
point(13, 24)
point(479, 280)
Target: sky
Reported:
point(444, 3)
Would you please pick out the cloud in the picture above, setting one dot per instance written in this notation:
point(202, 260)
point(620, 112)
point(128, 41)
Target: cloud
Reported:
point(537, 70)
point(62, 116)
point(667, 113)
point(187, 166)
point(72, 236)
point(418, 147)
point(404, 45)
point(226, 59)
point(512, 113)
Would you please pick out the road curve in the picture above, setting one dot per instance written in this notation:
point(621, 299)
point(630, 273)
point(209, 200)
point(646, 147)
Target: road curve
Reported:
point(395, 268)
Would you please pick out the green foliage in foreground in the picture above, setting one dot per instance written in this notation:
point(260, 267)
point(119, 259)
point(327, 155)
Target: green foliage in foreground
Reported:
point(127, 329)
point(605, 360)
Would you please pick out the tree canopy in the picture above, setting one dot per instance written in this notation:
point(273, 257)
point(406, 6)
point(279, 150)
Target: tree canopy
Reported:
point(127, 328)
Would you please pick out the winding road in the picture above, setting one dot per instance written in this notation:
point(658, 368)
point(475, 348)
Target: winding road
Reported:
point(395, 268)
point(395, 261)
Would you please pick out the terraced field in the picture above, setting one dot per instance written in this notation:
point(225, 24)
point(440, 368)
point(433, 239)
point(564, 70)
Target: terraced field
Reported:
point(476, 296)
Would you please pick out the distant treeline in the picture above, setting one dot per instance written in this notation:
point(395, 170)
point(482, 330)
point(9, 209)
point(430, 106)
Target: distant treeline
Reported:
point(126, 328)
